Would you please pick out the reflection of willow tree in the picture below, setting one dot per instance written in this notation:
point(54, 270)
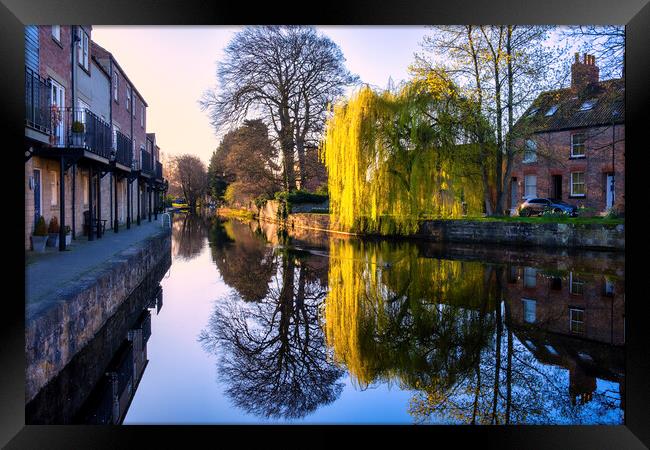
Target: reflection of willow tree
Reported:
point(189, 231)
point(438, 327)
point(244, 260)
point(272, 352)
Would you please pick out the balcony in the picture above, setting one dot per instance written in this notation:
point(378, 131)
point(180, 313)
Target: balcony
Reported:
point(80, 128)
point(123, 153)
point(37, 102)
point(146, 162)
point(159, 171)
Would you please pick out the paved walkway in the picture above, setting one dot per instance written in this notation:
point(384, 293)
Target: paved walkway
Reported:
point(49, 271)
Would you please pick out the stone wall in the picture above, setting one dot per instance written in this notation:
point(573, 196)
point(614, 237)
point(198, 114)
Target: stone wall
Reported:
point(57, 328)
point(595, 236)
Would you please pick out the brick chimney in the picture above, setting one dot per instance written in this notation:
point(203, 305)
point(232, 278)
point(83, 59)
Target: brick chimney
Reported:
point(585, 72)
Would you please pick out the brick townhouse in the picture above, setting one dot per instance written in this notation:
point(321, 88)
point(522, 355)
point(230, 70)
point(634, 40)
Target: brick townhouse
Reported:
point(573, 320)
point(84, 141)
point(572, 143)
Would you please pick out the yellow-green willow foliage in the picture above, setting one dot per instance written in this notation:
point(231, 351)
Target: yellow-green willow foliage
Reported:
point(394, 158)
point(388, 310)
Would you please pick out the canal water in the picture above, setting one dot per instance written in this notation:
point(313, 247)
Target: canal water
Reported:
point(250, 324)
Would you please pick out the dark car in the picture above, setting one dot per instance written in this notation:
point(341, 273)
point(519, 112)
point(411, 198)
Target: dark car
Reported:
point(536, 206)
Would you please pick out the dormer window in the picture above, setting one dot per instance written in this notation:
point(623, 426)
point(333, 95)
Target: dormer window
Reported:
point(551, 110)
point(586, 106)
point(532, 112)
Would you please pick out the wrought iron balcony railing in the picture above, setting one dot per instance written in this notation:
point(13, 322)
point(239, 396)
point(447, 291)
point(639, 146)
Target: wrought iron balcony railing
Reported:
point(146, 162)
point(123, 149)
point(159, 174)
point(80, 128)
point(37, 102)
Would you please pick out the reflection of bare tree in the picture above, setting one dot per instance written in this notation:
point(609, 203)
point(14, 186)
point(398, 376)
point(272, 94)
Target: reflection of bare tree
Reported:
point(272, 353)
point(188, 233)
point(243, 258)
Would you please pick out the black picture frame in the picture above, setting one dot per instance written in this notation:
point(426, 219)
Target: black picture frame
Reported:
point(635, 14)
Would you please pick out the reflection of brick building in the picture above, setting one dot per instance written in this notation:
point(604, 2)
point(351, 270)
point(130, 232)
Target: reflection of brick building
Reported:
point(572, 143)
point(572, 320)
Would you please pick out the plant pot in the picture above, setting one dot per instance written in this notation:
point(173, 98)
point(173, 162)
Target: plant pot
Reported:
point(68, 239)
point(38, 243)
point(53, 240)
point(77, 139)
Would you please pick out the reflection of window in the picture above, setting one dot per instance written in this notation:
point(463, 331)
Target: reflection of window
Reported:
point(551, 110)
point(577, 320)
point(513, 276)
point(556, 283)
point(529, 310)
point(576, 285)
point(530, 277)
point(551, 349)
point(608, 287)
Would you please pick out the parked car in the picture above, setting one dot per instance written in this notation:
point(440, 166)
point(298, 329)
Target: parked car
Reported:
point(536, 206)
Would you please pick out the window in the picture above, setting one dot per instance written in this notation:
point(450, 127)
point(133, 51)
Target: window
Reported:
point(82, 47)
point(56, 32)
point(128, 97)
point(551, 349)
point(578, 145)
point(532, 112)
point(84, 188)
point(530, 152)
point(577, 320)
point(530, 186)
point(551, 110)
point(115, 130)
point(142, 115)
point(530, 277)
point(529, 310)
point(576, 285)
point(115, 84)
point(608, 287)
point(578, 184)
point(54, 188)
point(589, 104)
point(81, 108)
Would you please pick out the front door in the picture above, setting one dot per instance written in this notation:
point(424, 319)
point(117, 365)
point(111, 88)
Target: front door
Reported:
point(557, 187)
point(609, 187)
point(37, 195)
point(58, 105)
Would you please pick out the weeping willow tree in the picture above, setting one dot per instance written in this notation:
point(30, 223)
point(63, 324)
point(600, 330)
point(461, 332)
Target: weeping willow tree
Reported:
point(394, 158)
point(394, 316)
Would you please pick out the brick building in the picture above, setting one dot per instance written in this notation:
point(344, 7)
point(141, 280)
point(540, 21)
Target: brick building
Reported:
point(82, 165)
point(572, 143)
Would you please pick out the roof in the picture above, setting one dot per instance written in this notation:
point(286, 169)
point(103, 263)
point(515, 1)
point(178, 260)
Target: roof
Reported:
point(98, 49)
point(607, 99)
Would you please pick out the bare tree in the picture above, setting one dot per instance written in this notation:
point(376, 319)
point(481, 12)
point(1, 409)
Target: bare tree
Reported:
point(285, 75)
point(606, 43)
point(191, 177)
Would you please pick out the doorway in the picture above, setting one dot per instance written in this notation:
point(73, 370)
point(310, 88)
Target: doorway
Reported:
point(557, 187)
point(37, 195)
point(609, 189)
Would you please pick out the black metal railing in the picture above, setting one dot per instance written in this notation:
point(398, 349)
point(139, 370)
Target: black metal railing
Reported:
point(146, 162)
point(80, 128)
point(37, 101)
point(159, 174)
point(123, 148)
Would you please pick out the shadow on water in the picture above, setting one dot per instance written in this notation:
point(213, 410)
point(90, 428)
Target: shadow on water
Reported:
point(477, 335)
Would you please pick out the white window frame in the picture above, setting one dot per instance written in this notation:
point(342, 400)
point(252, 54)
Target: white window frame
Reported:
point(575, 283)
point(82, 49)
point(530, 151)
point(529, 309)
point(56, 33)
point(530, 277)
point(128, 97)
point(526, 184)
point(142, 115)
point(576, 321)
point(583, 144)
point(116, 83)
point(584, 185)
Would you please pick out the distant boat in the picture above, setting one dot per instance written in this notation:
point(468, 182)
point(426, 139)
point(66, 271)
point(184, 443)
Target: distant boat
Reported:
point(180, 203)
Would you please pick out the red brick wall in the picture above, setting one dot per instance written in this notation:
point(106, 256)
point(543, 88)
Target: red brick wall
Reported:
point(55, 58)
point(553, 158)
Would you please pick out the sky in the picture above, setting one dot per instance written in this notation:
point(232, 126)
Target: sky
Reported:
point(172, 66)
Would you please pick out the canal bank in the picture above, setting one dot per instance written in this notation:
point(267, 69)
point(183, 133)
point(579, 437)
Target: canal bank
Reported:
point(70, 296)
point(561, 234)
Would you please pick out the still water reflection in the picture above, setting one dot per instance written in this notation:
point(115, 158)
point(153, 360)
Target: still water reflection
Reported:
point(260, 327)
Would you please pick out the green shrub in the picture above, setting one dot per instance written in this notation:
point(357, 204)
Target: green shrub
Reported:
point(300, 196)
point(41, 228)
point(54, 225)
point(78, 127)
point(261, 200)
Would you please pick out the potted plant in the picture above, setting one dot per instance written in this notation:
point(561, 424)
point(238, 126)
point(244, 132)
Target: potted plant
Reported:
point(53, 231)
point(39, 236)
point(68, 235)
point(77, 133)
